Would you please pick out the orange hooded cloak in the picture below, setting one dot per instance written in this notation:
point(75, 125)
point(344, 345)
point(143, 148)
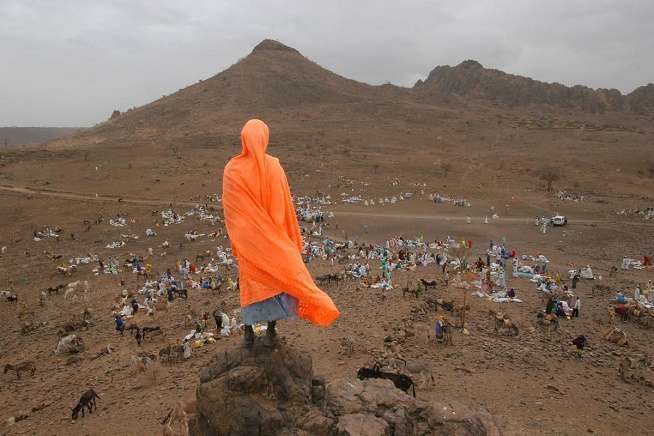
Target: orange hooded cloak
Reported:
point(264, 232)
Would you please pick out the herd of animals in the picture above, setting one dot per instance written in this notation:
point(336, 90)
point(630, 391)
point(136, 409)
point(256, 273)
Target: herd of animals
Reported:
point(402, 375)
point(87, 401)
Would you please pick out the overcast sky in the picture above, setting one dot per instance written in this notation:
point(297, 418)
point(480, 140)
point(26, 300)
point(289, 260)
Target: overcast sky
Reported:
point(70, 63)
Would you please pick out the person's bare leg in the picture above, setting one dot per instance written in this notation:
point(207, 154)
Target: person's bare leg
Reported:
point(248, 337)
point(271, 334)
point(270, 331)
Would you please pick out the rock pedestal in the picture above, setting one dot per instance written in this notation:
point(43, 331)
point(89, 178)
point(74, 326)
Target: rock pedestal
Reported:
point(269, 392)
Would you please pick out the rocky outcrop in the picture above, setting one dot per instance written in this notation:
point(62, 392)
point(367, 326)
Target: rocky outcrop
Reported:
point(271, 44)
point(641, 100)
point(470, 80)
point(274, 392)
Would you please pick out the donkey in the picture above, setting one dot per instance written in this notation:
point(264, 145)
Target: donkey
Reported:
point(86, 400)
point(21, 367)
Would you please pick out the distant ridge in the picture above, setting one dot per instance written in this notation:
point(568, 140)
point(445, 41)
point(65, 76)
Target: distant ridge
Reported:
point(275, 76)
point(470, 79)
point(15, 136)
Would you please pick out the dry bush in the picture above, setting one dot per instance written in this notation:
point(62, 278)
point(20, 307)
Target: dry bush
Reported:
point(443, 169)
point(549, 175)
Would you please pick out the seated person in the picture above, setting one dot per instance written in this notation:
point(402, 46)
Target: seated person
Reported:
point(559, 309)
point(620, 298)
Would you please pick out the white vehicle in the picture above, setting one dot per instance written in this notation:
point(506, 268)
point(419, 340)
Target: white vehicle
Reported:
point(559, 220)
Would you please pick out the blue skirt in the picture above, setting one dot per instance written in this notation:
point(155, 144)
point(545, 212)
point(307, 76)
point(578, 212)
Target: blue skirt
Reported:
point(281, 306)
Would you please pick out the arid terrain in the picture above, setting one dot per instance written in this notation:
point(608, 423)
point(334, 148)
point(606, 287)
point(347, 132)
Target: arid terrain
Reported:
point(493, 139)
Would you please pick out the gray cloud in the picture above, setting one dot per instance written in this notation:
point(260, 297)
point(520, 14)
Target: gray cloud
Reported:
point(73, 62)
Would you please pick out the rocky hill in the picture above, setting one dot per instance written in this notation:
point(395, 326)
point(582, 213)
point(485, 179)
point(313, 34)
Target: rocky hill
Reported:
point(278, 83)
point(470, 79)
point(272, 78)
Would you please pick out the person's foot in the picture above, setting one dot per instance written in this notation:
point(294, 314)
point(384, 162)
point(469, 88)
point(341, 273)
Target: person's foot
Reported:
point(248, 338)
point(271, 335)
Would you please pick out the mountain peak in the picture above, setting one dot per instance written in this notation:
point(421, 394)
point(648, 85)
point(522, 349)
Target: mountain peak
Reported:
point(470, 63)
point(271, 44)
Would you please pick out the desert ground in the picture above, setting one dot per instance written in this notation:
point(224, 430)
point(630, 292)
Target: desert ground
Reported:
point(371, 143)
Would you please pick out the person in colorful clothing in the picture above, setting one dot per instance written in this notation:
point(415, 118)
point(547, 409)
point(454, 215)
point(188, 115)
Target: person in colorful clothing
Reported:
point(263, 229)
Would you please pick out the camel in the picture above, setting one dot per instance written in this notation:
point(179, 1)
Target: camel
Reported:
point(503, 324)
point(549, 320)
point(616, 336)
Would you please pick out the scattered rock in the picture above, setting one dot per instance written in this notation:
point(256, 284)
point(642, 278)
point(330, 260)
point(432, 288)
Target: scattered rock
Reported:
point(359, 424)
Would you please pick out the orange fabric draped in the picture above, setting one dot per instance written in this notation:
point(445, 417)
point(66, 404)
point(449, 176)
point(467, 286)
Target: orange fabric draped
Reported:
point(264, 232)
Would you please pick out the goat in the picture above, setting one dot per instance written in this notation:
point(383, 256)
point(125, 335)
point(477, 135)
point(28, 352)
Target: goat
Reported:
point(12, 298)
point(429, 283)
point(171, 353)
point(151, 329)
point(329, 278)
point(73, 325)
point(86, 400)
point(178, 293)
point(421, 368)
point(346, 347)
point(70, 294)
point(67, 270)
point(70, 344)
point(446, 305)
point(131, 327)
point(142, 360)
point(21, 367)
point(401, 381)
point(55, 289)
point(414, 291)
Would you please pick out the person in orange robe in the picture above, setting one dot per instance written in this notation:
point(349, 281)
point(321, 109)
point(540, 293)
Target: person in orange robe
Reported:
point(262, 226)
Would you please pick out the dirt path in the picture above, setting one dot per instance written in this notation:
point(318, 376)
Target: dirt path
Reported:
point(96, 197)
point(370, 214)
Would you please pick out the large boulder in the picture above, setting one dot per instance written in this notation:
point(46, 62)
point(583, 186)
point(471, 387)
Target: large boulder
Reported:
point(351, 400)
point(250, 392)
point(267, 391)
